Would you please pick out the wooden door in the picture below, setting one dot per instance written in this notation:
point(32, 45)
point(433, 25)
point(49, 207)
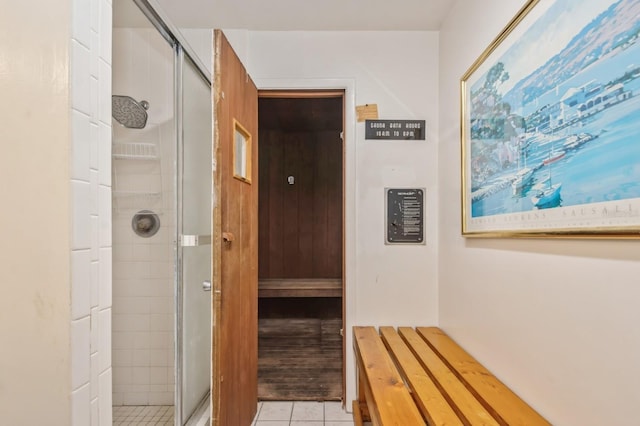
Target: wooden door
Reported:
point(235, 329)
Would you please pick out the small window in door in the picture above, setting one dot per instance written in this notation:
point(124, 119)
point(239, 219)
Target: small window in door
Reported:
point(241, 153)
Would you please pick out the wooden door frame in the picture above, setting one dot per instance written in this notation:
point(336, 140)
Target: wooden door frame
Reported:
point(304, 88)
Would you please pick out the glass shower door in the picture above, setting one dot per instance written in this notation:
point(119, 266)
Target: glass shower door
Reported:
point(194, 225)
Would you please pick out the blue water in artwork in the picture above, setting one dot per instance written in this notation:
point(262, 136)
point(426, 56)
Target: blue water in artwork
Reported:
point(602, 71)
point(605, 168)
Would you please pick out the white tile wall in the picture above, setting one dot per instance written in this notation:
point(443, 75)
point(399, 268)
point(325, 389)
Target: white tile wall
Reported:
point(81, 352)
point(95, 95)
point(81, 227)
point(143, 302)
point(81, 145)
point(95, 374)
point(105, 33)
point(94, 206)
point(95, 412)
point(90, 173)
point(81, 406)
point(104, 339)
point(104, 84)
point(105, 271)
point(81, 77)
point(80, 284)
point(94, 141)
point(95, 273)
point(80, 30)
point(105, 398)
point(104, 223)
point(104, 154)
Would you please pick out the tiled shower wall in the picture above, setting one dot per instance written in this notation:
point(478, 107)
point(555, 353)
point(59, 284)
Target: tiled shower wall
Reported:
point(143, 268)
point(90, 173)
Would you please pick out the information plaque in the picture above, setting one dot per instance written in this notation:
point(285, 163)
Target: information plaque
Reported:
point(395, 129)
point(405, 216)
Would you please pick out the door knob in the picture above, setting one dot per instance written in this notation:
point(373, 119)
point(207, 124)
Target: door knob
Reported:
point(227, 237)
point(206, 285)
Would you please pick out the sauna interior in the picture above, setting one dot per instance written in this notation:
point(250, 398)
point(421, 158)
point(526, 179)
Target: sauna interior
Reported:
point(300, 285)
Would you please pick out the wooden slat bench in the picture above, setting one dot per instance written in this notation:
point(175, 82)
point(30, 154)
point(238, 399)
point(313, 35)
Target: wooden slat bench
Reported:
point(421, 376)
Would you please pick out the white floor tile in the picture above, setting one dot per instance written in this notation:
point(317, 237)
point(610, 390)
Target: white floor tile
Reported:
point(308, 410)
point(333, 412)
point(275, 410)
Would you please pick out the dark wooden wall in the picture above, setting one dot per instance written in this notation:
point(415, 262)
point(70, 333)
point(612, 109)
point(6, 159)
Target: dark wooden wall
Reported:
point(300, 225)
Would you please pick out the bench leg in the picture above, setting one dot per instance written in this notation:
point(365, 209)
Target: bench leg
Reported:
point(357, 414)
point(360, 405)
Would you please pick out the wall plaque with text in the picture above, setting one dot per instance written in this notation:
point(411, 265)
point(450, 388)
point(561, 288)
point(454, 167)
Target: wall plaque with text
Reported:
point(395, 129)
point(405, 216)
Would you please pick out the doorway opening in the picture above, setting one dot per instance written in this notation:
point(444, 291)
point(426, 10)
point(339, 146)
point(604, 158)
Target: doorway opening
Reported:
point(301, 245)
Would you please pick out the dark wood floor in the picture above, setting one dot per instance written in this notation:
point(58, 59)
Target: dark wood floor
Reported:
point(300, 356)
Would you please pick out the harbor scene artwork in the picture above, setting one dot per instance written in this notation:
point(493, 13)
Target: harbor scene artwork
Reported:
point(551, 123)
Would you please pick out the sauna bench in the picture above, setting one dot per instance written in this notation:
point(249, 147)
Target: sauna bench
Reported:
point(299, 287)
point(417, 376)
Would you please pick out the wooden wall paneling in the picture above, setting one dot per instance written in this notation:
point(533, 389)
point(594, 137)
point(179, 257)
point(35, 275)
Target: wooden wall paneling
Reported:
point(276, 200)
point(320, 210)
point(290, 206)
point(263, 204)
point(334, 200)
point(301, 224)
point(305, 203)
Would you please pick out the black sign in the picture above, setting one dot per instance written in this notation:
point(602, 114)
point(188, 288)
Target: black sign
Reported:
point(405, 216)
point(395, 129)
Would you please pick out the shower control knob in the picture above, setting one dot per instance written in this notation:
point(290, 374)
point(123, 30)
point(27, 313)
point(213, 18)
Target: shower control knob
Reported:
point(206, 285)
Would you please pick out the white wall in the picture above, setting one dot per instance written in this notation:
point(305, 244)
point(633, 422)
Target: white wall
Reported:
point(398, 71)
point(556, 320)
point(36, 236)
point(55, 81)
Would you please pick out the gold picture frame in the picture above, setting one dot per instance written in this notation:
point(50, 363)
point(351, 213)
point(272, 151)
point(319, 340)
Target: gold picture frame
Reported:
point(547, 124)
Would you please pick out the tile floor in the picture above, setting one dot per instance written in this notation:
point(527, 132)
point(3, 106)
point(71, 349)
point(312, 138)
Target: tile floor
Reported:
point(149, 415)
point(302, 413)
point(270, 413)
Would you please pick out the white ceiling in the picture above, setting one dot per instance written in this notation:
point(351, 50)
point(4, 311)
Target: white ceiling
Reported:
point(289, 15)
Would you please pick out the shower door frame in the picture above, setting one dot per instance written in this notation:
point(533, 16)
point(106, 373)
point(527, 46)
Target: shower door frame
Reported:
point(180, 48)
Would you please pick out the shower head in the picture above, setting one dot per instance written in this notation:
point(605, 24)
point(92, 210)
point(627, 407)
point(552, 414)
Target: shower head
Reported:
point(128, 112)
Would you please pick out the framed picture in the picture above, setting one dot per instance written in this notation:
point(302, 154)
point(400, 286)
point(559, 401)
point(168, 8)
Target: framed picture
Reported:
point(551, 124)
